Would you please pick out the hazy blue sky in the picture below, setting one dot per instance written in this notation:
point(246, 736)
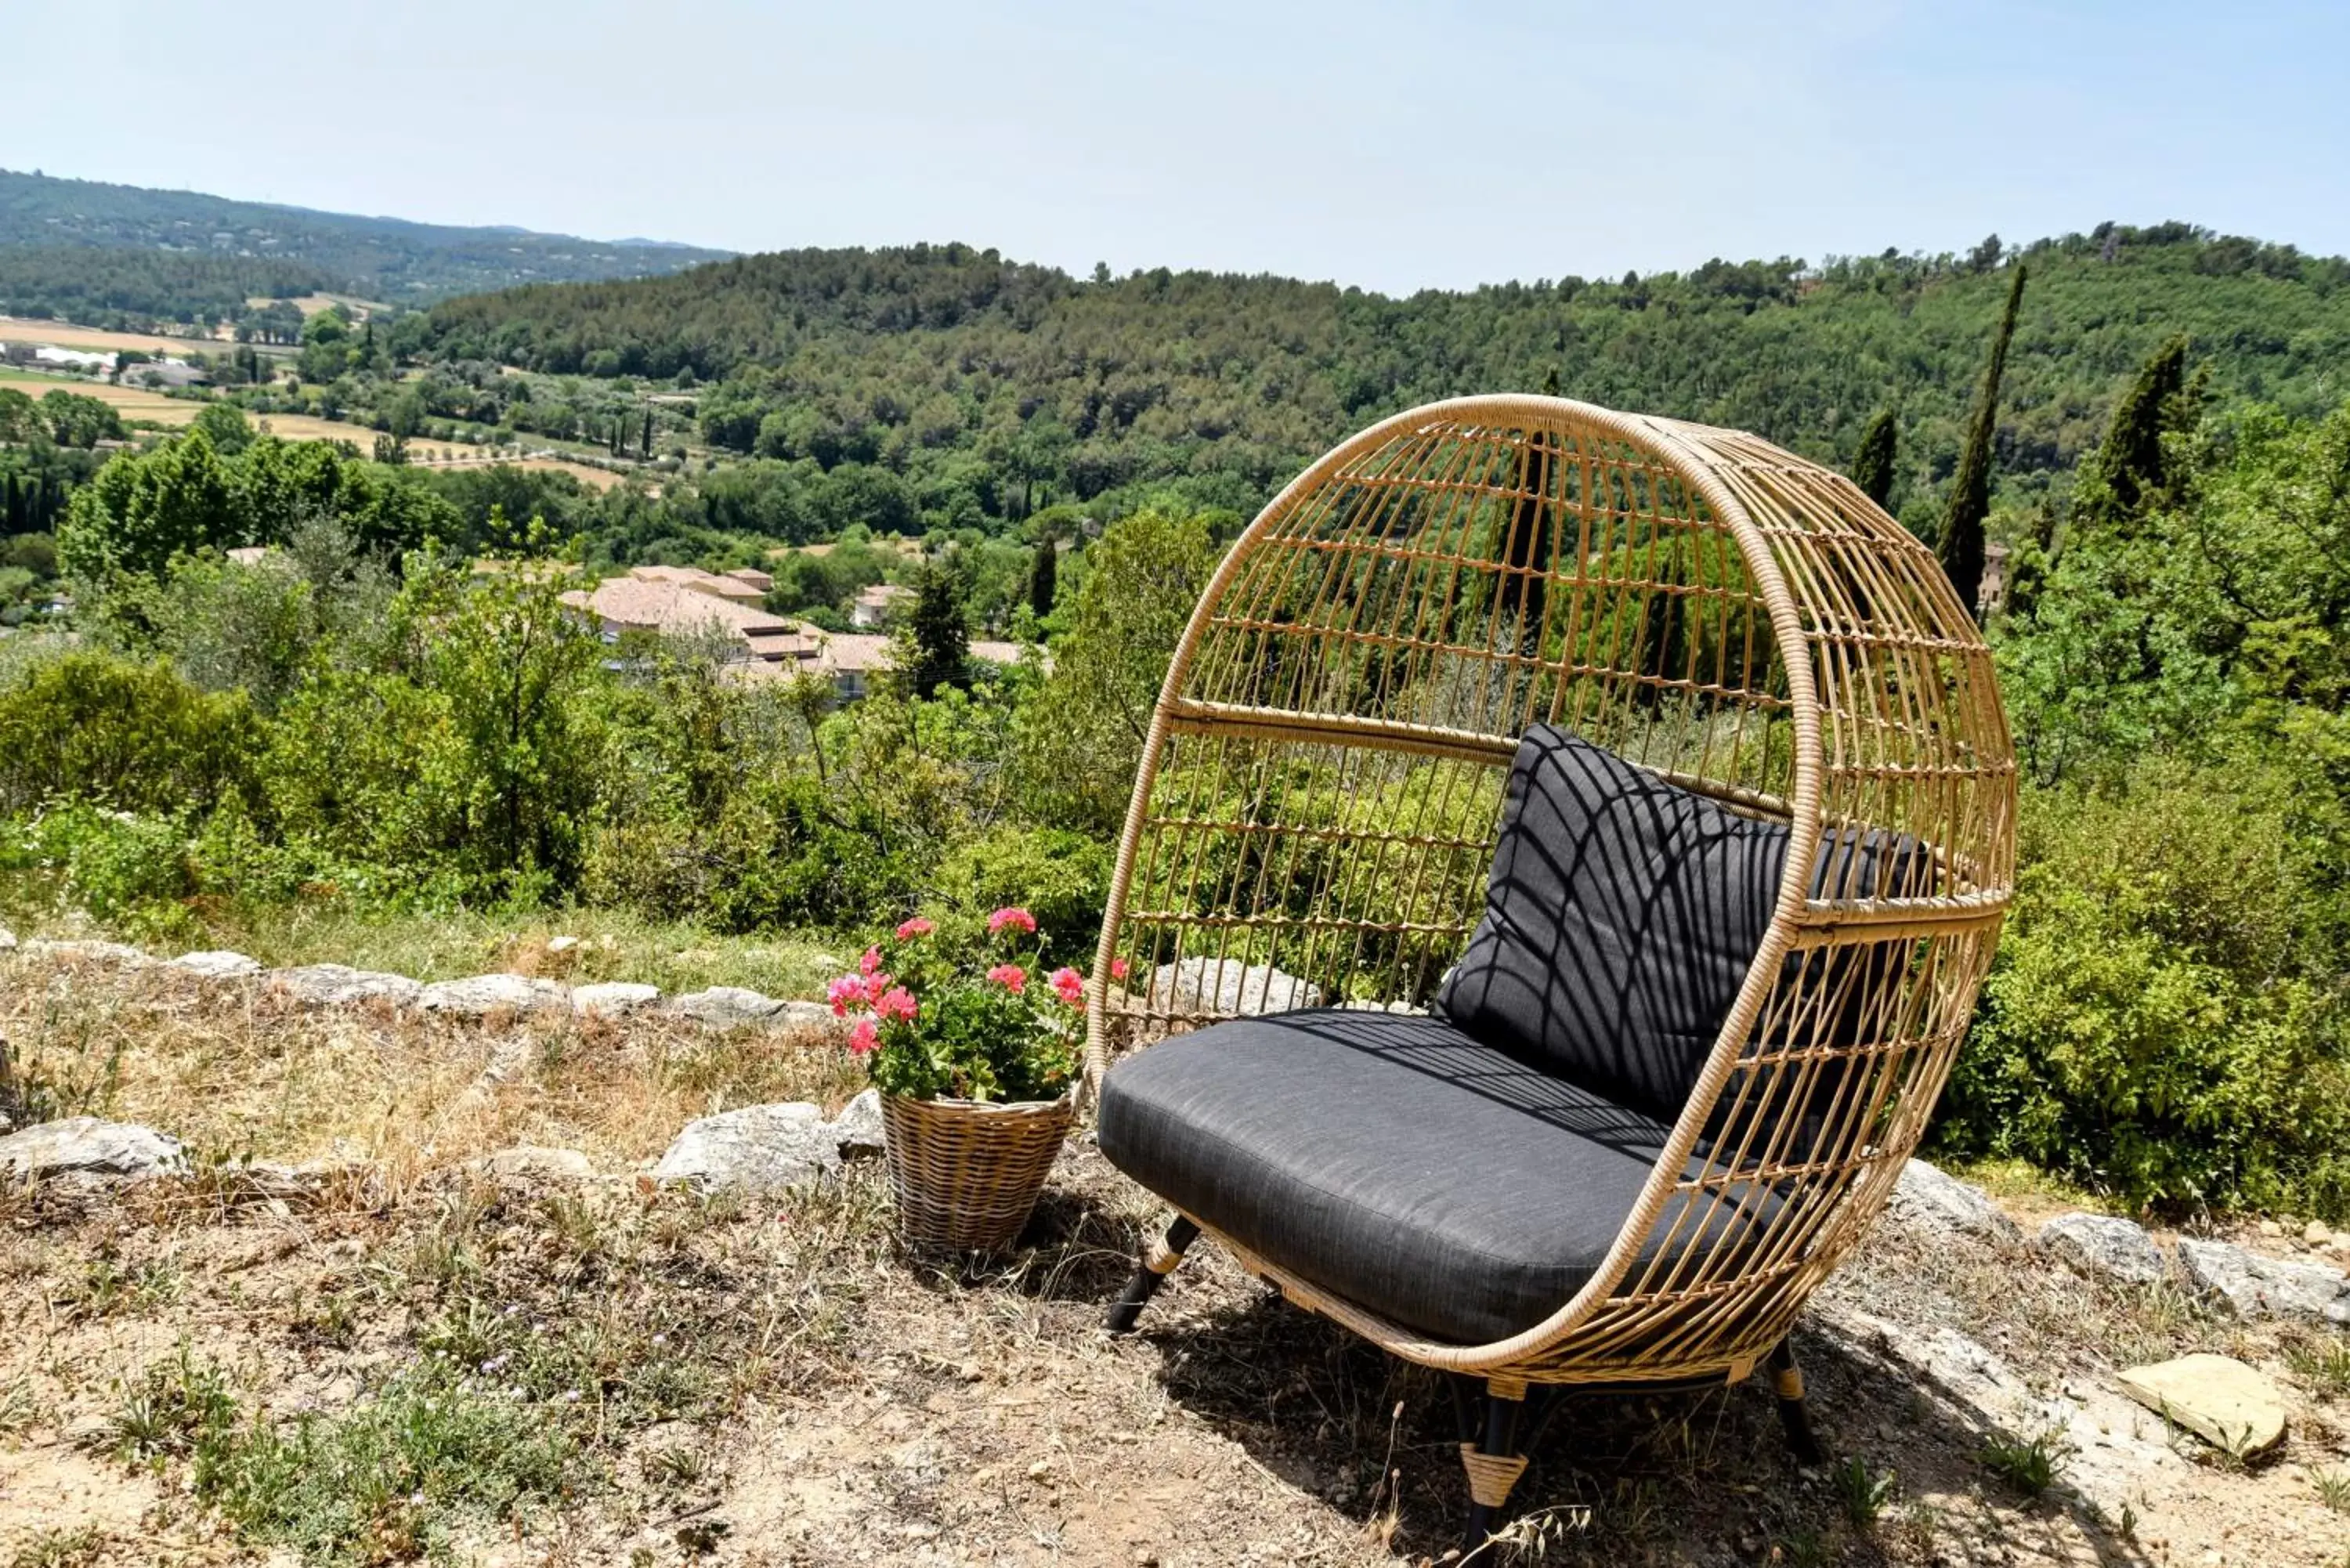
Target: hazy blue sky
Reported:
point(1391, 145)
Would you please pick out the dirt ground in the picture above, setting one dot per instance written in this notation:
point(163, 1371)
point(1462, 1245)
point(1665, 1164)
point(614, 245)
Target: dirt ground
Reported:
point(394, 1354)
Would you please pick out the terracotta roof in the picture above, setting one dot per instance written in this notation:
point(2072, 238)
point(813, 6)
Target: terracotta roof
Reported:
point(702, 581)
point(752, 575)
point(881, 596)
point(652, 605)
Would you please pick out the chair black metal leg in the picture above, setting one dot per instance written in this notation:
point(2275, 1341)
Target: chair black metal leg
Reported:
point(1157, 1265)
point(1494, 1464)
point(1787, 1384)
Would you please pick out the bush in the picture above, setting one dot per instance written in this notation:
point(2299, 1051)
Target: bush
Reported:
point(2163, 1023)
point(1061, 878)
point(140, 737)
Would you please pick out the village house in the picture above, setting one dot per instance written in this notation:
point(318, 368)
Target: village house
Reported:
point(682, 601)
point(876, 605)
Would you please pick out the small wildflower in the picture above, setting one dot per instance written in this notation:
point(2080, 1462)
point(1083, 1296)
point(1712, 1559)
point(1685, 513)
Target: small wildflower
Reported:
point(571, 1397)
point(1010, 976)
point(1070, 984)
point(917, 927)
point(1016, 919)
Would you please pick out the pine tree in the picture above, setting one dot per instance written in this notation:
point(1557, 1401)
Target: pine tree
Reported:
point(1044, 579)
point(941, 630)
point(2128, 472)
point(1962, 526)
point(1872, 465)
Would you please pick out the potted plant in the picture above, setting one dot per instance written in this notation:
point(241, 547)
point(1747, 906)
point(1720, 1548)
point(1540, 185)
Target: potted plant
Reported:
point(975, 1063)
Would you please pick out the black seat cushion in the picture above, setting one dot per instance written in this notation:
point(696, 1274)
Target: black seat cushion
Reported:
point(1621, 917)
point(1395, 1161)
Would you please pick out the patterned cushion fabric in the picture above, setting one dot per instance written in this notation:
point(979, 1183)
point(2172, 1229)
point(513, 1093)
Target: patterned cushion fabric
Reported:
point(1622, 915)
point(1395, 1161)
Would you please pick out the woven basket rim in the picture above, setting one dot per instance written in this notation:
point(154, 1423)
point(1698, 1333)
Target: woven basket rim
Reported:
point(948, 1102)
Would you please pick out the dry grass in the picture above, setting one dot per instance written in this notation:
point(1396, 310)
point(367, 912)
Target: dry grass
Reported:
point(607, 1373)
point(240, 1072)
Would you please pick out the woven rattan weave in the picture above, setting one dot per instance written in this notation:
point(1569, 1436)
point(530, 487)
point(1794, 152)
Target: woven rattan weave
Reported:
point(1320, 791)
point(965, 1175)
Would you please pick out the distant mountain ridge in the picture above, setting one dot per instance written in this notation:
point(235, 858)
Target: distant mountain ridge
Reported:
point(200, 249)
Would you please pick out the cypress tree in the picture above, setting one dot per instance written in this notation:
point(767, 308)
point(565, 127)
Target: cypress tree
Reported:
point(648, 448)
point(1872, 466)
point(941, 630)
point(1044, 579)
point(2127, 470)
point(1962, 526)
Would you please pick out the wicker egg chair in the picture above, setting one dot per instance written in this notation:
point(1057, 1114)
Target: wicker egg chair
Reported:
point(1736, 631)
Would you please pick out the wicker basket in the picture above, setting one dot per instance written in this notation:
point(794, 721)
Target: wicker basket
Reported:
point(966, 1174)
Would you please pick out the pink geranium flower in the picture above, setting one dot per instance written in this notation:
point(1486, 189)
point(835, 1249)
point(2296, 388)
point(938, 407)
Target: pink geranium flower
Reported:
point(917, 927)
point(1010, 976)
point(871, 961)
point(1070, 984)
point(877, 984)
point(1017, 919)
point(844, 992)
point(1117, 969)
point(864, 1038)
point(895, 1003)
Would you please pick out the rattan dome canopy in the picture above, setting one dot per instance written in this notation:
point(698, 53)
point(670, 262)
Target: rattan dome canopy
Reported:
point(1320, 789)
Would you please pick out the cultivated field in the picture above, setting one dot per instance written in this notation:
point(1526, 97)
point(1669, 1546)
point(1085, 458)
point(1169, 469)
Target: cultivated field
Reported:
point(57, 335)
point(144, 404)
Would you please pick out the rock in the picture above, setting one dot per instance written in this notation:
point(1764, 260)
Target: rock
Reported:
point(857, 1128)
point(217, 965)
point(614, 998)
point(760, 1147)
point(7, 939)
point(477, 996)
point(2223, 1401)
point(2315, 1234)
point(340, 985)
point(811, 1015)
point(87, 1146)
point(531, 1162)
point(2251, 1285)
point(727, 1007)
point(2271, 1229)
point(2103, 1244)
point(1930, 1198)
point(1228, 988)
point(561, 944)
point(2110, 1455)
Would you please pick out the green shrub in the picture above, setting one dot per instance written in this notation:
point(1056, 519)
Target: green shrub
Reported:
point(89, 726)
point(1061, 878)
point(2163, 1023)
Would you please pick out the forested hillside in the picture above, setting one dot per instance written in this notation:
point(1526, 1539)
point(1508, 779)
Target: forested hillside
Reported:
point(112, 254)
point(940, 361)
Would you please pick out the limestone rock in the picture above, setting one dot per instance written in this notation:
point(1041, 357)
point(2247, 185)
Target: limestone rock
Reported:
point(727, 1007)
point(2103, 1244)
point(811, 1015)
point(1228, 987)
point(217, 964)
point(2316, 1234)
point(759, 1148)
point(2223, 1401)
point(614, 998)
point(340, 985)
point(88, 1147)
point(7, 939)
point(561, 944)
point(1930, 1198)
point(2251, 1285)
point(477, 996)
point(857, 1128)
point(530, 1162)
